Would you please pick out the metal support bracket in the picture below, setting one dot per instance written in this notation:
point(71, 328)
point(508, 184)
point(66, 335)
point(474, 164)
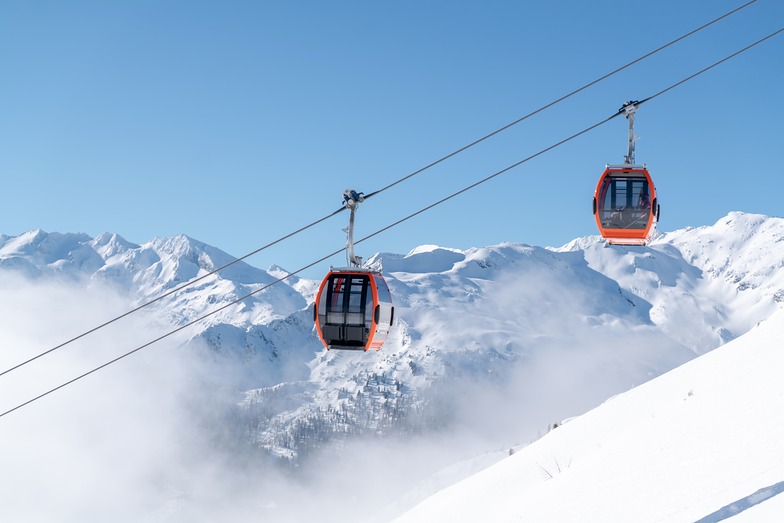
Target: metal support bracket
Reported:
point(629, 108)
point(352, 199)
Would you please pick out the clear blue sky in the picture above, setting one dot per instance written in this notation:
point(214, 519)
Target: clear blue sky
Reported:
point(237, 122)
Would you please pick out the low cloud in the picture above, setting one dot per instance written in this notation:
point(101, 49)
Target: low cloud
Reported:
point(159, 435)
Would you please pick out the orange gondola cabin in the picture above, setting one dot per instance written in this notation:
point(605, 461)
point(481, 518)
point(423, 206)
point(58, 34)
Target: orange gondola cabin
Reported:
point(353, 310)
point(625, 205)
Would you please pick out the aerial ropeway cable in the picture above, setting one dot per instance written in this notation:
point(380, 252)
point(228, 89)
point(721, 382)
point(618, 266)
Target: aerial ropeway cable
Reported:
point(625, 204)
point(442, 200)
point(318, 221)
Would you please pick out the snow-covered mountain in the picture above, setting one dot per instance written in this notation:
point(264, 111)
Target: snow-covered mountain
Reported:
point(144, 272)
point(491, 345)
point(480, 331)
point(158, 266)
point(702, 443)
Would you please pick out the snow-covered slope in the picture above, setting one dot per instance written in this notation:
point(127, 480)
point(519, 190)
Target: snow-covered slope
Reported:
point(719, 279)
point(700, 443)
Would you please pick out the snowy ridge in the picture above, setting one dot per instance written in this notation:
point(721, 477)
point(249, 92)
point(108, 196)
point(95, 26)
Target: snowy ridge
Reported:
point(739, 249)
point(514, 308)
point(37, 253)
point(148, 270)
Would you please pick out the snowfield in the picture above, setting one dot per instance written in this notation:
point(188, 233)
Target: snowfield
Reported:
point(701, 443)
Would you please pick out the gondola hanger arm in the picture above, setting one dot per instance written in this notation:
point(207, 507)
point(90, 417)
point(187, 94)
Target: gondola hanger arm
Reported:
point(351, 200)
point(628, 109)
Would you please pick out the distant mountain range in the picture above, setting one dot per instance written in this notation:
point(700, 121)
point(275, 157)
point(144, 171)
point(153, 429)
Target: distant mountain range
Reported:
point(481, 335)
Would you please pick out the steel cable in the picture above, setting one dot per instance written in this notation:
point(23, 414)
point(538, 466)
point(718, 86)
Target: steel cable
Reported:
point(394, 224)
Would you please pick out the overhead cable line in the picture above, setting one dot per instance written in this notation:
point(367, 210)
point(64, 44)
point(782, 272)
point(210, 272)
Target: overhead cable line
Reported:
point(170, 333)
point(411, 175)
point(168, 293)
point(736, 53)
point(394, 224)
point(561, 99)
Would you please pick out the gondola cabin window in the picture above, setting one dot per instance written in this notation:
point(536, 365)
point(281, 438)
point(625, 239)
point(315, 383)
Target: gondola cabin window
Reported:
point(625, 203)
point(347, 299)
point(353, 310)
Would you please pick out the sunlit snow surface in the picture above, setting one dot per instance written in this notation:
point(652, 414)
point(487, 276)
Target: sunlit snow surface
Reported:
point(701, 443)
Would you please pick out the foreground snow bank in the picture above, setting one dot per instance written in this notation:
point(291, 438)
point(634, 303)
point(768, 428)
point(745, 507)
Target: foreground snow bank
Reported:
point(700, 443)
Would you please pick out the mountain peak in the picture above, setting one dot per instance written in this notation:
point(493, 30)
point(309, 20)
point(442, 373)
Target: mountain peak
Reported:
point(111, 244)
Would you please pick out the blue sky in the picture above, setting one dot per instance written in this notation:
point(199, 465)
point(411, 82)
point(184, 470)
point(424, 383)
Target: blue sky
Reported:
point(239, 122)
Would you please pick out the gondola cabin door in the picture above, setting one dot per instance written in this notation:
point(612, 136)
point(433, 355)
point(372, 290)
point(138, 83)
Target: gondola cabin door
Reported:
point(353, 310)
point(625, 205)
